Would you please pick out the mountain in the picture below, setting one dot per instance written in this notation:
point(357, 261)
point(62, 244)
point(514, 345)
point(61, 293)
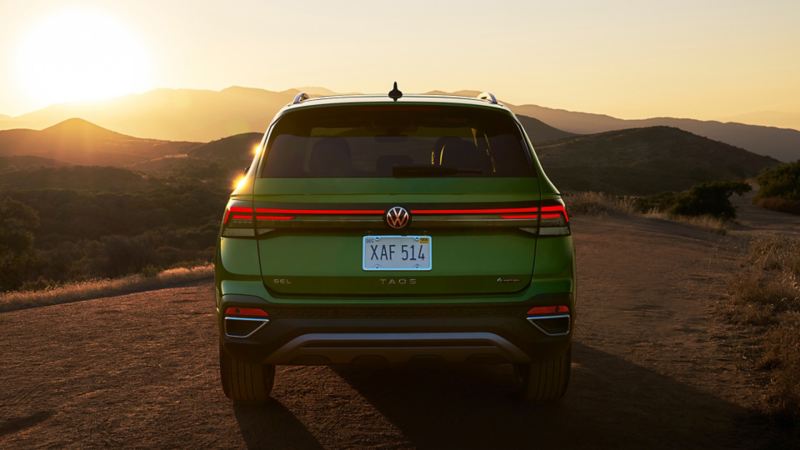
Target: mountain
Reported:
point(205, 115)
point(77, 141)
point(216, 161)
point(172, 114)
point(238, 147)
point(643, 161)
point(779, 143)
point(781, 119)
point(197, 115)
point(540, 132)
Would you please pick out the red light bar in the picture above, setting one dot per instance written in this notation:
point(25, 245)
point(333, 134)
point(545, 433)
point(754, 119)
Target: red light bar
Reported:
point(245, 312)
point(548, 310)
point(274, 212)
point(475, 211)
point(320, 211)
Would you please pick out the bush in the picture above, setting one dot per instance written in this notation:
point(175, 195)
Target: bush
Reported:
point(781, 181)
point(779, 188)
point(660, 202)
point(709, 199)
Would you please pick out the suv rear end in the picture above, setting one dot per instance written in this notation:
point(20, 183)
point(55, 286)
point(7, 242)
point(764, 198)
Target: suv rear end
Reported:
point(368, 229)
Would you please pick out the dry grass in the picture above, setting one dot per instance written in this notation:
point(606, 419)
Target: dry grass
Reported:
point(85, 290)
point(778, 204)
point(767, 296)
point(705, 222)
point(600, 204)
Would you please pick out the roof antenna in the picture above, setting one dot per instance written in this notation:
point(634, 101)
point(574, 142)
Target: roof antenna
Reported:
point(395, 93)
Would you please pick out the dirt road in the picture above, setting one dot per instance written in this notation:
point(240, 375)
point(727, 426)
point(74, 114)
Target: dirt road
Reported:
point(654, 367)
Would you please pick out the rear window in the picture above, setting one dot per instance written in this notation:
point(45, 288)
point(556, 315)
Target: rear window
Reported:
point(395, 141)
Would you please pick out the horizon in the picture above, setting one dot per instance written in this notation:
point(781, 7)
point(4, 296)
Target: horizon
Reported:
point(732, 62)
point(98, 102)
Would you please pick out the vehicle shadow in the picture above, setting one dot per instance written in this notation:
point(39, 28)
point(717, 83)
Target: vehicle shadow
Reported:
point(273, 426)
point(611, 403)
point(14, 424)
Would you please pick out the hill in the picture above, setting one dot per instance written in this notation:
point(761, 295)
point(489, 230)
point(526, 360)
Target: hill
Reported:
point(77, 178)
point(238, 147)
point(77, 141)
point(172, 114)
point(197, 115)
point(779, 143)
point(217, 162)
point(205, 115)
point(645, 161)
point(540, 132)
point(21, 162)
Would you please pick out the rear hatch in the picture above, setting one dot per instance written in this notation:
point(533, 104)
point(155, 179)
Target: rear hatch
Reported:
point(395, 199)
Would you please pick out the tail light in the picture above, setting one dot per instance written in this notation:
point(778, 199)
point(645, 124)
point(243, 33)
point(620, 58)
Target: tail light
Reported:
point(238, 221)
point(549, 218)
point(554, 220)
point(548, 310)
point(235, 311)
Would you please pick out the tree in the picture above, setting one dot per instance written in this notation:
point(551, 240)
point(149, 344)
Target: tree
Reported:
point(17, 223)
point(779, 188)
point(781, 181)
point(709, 198)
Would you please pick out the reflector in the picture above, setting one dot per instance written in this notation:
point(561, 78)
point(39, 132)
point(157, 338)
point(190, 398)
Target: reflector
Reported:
point(236, 311)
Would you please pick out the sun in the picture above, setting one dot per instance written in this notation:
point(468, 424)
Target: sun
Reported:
point(81, 56)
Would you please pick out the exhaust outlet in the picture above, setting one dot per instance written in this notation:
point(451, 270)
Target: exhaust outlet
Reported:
point(243, 327)
point(555, 325)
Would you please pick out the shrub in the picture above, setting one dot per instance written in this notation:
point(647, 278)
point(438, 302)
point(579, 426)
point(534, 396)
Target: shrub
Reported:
point(709, 198)
point(659, 202)
point(779, 188)
point(781, 181)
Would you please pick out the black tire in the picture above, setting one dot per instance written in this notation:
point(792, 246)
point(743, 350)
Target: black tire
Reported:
point(546, 381)
point(245, 382)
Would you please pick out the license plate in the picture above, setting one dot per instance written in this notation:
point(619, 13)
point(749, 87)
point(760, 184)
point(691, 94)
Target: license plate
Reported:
point(396, 253)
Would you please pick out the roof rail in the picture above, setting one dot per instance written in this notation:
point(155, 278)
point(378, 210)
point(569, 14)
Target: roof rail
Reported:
point(488, 96)
point(299, 98)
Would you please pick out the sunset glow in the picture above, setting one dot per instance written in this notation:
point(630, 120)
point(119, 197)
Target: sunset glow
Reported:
point(733, 60)
point(80, 56)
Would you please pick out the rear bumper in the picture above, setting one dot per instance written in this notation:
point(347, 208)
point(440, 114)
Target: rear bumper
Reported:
point(323, 335)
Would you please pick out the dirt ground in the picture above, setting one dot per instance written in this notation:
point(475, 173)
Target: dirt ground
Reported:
point(654, 367)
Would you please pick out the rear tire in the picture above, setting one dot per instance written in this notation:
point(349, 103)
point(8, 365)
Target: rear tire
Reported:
point(245, 382)
point(546, 381)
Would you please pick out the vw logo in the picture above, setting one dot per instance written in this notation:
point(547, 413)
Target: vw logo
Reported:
point(398, 217)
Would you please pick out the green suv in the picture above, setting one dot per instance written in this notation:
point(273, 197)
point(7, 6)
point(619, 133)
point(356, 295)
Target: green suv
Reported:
point(395, 229)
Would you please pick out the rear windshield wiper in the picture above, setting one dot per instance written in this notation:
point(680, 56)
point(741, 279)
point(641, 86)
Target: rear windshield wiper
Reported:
point(431, 171)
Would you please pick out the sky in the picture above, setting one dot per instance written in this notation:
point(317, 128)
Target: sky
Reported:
point(705, 59)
